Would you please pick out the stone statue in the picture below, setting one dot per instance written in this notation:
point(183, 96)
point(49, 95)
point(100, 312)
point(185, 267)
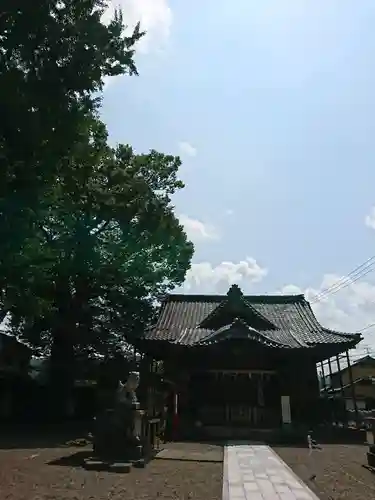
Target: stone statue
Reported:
point(127, 406)
point(126, 392)
point(119, 431)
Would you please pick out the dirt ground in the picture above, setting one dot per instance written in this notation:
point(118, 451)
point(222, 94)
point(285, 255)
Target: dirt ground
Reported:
point(29, 475)
point(338, 469)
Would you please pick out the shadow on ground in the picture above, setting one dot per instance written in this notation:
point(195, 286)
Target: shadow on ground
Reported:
point(76, 459)
point(48, 436)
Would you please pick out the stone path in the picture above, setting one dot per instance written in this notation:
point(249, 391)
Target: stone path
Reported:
point(255, 472)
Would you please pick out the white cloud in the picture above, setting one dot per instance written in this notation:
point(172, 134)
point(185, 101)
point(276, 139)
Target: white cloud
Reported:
point(155, 17)
point(198, 230)
point(370, 218)
point(350, 309)
point(206, 278)
point(187, 149)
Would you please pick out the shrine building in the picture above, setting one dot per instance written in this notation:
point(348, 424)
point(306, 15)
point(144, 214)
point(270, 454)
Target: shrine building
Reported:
point(242, 360)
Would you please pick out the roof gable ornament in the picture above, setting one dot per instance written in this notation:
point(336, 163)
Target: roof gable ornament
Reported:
point(234, 294)
point(234, 306)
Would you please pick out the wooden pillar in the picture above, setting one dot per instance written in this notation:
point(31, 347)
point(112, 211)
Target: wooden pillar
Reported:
point(333, 399)
point(340, 375)
point(323, 377)
point(340, 382)
point(330, 371)
point(352, 387)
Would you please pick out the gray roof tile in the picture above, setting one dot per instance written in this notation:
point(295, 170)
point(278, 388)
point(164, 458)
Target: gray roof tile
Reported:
point(289, 321)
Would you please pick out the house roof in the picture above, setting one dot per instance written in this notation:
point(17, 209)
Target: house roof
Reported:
point(279, 321)
point(364, 359)
point(336, 372)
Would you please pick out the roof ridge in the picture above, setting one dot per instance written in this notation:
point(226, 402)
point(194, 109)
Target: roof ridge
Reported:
point(271, 299)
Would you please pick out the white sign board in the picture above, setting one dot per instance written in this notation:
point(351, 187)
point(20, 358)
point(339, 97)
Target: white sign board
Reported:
point(285, 410)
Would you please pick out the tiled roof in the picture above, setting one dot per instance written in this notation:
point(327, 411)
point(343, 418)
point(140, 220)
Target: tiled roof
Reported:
point(288, 321)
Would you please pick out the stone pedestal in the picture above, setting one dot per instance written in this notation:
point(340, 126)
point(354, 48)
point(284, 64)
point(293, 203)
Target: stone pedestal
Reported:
point(117, 435)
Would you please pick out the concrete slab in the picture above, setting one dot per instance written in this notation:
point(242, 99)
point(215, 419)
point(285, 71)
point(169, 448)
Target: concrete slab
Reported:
point(256, 472)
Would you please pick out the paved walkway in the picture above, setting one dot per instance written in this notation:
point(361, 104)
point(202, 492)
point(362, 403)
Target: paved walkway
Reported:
point(255, 472)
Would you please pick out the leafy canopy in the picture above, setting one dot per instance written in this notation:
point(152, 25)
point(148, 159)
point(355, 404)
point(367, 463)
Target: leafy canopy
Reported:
point(54, 58)
point(88, 235)
point(109, 245)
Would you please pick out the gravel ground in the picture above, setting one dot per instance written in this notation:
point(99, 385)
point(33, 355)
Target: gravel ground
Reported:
point(338, 469)
point(26, 475)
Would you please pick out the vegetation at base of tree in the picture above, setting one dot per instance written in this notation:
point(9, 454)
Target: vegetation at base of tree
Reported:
point(88, 235)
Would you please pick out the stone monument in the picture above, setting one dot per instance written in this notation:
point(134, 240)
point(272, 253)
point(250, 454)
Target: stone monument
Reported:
point(117, 434)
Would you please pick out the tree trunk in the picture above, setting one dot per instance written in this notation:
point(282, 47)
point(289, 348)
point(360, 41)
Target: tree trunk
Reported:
point(62, 369)
point(61, 377)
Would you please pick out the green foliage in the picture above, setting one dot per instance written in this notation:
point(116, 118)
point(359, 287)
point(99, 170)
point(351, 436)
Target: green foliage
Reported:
point(111, 245)
point(88, 235)
point(54, 55)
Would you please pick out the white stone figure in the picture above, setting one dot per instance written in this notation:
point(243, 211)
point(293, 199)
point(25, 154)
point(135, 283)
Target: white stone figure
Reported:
point(127, 410)
point(126, 392)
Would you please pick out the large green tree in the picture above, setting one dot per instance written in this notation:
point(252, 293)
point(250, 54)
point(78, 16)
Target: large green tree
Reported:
point(108, 246)
point(88, 235)
point(54, 56)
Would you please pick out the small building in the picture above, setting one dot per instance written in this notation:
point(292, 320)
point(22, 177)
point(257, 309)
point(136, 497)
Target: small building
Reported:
point(358, 386)
point(240, 360)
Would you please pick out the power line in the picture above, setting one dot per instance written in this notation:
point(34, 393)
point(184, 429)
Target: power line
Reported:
point(366, 328)
point(356, 274)
point(348, 279)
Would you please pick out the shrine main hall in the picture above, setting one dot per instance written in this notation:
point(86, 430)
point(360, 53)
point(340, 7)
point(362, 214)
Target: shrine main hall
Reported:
point(242, 360)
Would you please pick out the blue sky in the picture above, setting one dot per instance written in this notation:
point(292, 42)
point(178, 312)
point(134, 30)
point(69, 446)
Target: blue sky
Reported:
point(271, 106)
